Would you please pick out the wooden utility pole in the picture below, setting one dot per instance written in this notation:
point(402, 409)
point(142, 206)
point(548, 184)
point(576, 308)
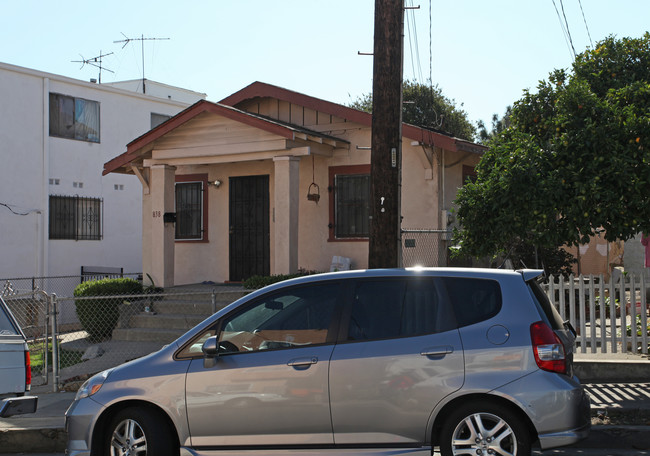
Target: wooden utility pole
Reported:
point(386, 144)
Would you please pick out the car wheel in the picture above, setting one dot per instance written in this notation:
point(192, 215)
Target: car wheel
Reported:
point(484, 428)
point(139, 431)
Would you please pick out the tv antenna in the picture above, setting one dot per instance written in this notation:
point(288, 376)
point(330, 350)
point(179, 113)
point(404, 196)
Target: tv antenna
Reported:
point(142, 39)
point(95, 61)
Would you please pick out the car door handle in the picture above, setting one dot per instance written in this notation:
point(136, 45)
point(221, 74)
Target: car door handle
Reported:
point(437, 351)
point(303, 362)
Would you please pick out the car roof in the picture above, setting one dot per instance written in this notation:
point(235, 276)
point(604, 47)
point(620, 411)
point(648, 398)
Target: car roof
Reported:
point(526, 274)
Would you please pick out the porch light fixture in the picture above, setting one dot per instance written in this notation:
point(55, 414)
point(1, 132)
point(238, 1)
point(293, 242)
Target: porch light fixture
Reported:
point(313, 192)
point(215, 183)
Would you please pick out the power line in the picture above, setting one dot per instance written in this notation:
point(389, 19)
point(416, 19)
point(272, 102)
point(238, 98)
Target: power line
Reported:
point(566, 34)
point(430, 47)
point(29, 211)
point(413, 43)
point(408, 26)
point(586, 26)
point(568, 31)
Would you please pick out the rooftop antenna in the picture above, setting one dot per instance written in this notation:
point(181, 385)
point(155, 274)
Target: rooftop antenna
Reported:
point(142, 39)
point(95, 61)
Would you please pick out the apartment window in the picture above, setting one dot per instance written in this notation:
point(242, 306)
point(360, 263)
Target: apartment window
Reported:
point(75, 217)
point(74, 118)
point(191, 208)
point(157, 119)
point(350, 203)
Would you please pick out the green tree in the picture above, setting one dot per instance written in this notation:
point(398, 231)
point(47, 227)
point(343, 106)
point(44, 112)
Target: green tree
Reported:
point(574, 160)
point(499, 124)
point(425, 106)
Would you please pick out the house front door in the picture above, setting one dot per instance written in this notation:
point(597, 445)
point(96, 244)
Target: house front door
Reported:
point(249, 227)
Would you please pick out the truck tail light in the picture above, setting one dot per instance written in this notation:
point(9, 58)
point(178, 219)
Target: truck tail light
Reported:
point(548, 348)
point(28, 371)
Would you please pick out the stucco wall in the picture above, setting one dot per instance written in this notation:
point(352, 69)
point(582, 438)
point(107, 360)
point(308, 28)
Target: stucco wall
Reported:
point(31, 158)
point(209, 261)
point(22, 182)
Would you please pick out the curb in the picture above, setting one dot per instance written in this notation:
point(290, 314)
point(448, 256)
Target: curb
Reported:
point(614, 371)
point(617, 438)
point(44, 440)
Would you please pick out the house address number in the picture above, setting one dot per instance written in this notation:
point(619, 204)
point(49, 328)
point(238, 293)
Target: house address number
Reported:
point(157, 214)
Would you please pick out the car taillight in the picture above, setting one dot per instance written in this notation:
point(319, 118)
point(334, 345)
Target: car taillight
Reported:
point(548, 348)
point(28, 371)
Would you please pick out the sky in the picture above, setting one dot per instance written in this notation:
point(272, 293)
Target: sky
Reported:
point(482, 54)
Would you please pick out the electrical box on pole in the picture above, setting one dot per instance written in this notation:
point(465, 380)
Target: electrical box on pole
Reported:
point(386, 155)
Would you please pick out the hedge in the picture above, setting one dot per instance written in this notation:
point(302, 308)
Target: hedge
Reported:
point(98, 317)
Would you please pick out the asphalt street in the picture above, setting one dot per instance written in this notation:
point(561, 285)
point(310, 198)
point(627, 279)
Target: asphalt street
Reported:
point(557, 452)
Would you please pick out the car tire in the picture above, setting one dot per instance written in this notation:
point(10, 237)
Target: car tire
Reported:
point(484, 428)
point(139, 431)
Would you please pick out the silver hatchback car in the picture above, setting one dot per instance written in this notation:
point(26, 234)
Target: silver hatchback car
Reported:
point(379, 362)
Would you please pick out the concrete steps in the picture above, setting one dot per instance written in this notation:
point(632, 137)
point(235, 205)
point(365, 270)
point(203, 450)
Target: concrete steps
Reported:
point(173, 313)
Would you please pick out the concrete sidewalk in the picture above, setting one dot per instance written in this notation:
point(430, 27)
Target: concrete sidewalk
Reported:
point(39, 432)
point(619, 387)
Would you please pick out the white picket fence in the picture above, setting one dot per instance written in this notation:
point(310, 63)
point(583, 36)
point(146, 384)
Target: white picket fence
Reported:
point(585, 301)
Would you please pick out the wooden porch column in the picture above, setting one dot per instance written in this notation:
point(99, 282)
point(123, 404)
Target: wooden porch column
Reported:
point(286, 202)
point(162, 234)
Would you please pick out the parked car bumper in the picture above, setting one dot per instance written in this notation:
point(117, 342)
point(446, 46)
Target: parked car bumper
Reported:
point(557, 405)
point(18, 406)
point(80, 420)
point(558, 439)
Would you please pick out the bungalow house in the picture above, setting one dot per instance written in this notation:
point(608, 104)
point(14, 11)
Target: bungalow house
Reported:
point(268, 181)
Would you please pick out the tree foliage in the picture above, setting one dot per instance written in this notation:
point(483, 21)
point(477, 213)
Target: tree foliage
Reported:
point(574, 161)
point(499, 124)
point(425, 106)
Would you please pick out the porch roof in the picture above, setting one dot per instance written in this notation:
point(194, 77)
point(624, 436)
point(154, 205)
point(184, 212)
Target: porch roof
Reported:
point(138, 148)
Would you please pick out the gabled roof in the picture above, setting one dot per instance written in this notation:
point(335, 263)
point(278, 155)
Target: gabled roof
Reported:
point(423, 135)
point(142, 144)
point(228, 108)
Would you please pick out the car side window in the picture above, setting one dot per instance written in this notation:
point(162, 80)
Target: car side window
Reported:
point(294, 317)
point(385, 309)
point(473, 300)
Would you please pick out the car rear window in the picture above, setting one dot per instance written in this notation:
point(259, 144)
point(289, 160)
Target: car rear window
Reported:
point(7, 327)
point(473, 300)
point(544, 306)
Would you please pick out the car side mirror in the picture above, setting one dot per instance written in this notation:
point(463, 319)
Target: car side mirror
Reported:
point(210, 347)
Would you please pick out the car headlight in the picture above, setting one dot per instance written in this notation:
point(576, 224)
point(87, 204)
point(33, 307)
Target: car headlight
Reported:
point(92, 385)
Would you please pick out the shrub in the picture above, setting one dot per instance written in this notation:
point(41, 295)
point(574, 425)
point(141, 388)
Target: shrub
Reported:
point(259, 281)
point(98, 317)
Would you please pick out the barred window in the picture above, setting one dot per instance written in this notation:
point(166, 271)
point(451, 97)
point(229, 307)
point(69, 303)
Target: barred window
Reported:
point(351, 202)
point(75, 217)
point(189, 210)
point(74, 118)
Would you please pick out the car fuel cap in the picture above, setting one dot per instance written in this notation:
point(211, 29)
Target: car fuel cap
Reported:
point(498, 335)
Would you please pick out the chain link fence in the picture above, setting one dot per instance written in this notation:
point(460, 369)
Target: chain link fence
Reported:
point(31, 310)
point(425, 247)
point(72, 338)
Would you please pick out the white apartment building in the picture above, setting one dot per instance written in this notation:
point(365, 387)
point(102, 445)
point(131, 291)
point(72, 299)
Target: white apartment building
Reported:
point(57, 212)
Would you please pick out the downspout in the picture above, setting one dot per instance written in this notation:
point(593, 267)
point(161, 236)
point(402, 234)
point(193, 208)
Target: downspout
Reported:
point(444, 200)
point(43, 245)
